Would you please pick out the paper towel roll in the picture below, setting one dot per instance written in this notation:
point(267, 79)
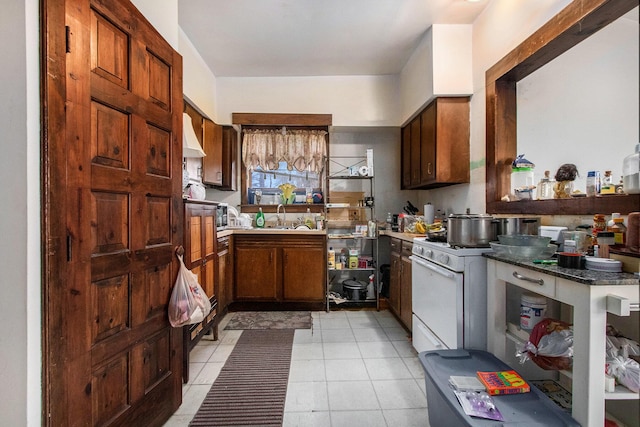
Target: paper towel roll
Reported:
point(428, 213)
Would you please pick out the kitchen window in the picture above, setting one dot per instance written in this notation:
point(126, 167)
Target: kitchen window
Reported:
point(274, 157)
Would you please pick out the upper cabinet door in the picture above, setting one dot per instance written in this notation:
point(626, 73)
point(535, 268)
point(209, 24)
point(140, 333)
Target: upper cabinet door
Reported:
point(439, 145)
point(212, 172)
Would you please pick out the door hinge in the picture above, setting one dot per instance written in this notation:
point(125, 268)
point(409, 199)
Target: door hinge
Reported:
point(67, 38)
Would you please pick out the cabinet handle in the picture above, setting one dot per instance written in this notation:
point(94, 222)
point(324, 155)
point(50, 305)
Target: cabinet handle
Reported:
point(528, 279)
point(429, 168)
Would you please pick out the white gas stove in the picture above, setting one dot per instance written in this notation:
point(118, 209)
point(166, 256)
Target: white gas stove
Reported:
point(449, 296)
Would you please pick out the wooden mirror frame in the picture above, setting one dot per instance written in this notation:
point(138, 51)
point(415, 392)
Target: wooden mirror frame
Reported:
point(576, 22)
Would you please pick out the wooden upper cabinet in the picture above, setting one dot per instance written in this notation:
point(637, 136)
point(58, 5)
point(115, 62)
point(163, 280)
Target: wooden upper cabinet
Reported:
point(439, 141)
point(406, 157)
point(415, 151)
point(229, 158)
point(220, 163)
point(212, 146)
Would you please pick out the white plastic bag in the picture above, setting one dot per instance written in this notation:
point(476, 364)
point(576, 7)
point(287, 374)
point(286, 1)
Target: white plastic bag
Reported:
point(188, 304)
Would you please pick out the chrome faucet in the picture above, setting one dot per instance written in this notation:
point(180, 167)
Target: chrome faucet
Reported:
point(280, 223)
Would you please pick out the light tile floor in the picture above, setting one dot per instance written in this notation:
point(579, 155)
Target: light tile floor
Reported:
point(353, 368)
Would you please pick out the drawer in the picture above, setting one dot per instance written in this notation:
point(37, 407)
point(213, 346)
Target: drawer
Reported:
point(406, 249)
point(522, 277)
point(396, 245)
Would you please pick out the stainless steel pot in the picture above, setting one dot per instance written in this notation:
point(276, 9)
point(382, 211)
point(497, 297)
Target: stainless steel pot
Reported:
point(470, 231)
point(511, 226)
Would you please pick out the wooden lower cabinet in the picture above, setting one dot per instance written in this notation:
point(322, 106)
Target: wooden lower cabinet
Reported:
point(224, 278)
point(400, 281)
point(279, 269)
point(201, 258)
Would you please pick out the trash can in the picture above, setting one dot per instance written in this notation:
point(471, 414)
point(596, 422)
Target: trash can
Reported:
point(385, 275)
point(527, 409)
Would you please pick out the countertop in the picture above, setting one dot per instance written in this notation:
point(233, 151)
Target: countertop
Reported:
point(588, 277)
point(407, 237)
point(403, 236)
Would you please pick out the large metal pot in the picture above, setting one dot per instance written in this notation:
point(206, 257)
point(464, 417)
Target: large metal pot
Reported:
point(511, 226)
point(470, 230)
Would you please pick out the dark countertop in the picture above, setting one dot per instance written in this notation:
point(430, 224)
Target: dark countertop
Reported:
point(588, 277)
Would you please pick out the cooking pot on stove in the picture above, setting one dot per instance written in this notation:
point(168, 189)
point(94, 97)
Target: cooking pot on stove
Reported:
point(512, 226)
point(471, 230)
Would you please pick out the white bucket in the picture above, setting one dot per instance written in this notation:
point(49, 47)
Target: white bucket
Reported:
point(533, 309)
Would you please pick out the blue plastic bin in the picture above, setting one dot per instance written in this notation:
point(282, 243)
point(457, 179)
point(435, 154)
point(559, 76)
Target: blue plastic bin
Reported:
point(524, 409)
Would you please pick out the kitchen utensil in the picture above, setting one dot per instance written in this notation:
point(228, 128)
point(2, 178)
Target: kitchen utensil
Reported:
point(524, 240)
point(470, 230)
point(509, 226)
point(524, 253)
point(412, 208)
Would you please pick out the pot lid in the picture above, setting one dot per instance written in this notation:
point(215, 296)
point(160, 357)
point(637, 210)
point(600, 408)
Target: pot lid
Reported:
point(354, 284)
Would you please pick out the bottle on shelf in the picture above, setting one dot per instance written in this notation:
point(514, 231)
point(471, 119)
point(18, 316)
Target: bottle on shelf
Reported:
point(260, 219)
point(331, 258)
point(607, 186)
point(619, 231)
point(545, 187)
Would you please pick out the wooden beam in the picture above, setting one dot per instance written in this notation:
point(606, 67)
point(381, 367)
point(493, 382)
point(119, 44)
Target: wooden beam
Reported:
point(281, 119)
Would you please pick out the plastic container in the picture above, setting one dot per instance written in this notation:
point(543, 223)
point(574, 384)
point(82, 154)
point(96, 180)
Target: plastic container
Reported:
point(631, 172)
point(522, 183)
point(524, 409)
point(593, 183)
point(533, 309)
point(619, 231)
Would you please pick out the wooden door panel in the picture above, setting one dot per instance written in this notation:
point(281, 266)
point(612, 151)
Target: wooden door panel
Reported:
point(159, 151)
point(109, 131)
point(195, 234)
point(110, 58)
point(209, 235)
point(111, 356)
point(258, 282)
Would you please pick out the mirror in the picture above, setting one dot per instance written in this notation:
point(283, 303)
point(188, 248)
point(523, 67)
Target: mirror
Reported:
point(569, 27)
point(582, 107)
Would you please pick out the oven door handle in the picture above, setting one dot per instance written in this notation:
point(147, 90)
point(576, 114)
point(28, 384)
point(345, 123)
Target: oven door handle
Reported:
point(426, 264)
point(429, 336)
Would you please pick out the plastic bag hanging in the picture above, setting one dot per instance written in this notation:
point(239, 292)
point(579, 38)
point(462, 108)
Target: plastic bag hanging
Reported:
point(189, 303)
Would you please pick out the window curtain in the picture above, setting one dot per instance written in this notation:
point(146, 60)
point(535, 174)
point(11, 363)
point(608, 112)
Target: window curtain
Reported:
point(300, 149)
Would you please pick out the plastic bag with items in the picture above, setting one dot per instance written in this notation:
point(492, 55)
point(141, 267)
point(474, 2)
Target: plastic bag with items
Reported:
point(550, 345)
point(189, 303)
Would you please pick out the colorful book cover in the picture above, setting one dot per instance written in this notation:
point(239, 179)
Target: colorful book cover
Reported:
point(503, 382)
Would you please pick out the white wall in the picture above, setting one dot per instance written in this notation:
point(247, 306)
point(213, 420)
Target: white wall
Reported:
point(198, 82)
point(20, 332)
point(502, 26)
point(353, 100)
point(163, 15)
point(439, 66)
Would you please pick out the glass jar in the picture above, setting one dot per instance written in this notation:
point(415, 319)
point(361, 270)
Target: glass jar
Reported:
point(631, 172)
point(545, 187)
point(593, 183)
point(599, 224)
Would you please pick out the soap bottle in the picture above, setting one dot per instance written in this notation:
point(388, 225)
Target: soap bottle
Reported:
point(308, 219)
point(260, 219)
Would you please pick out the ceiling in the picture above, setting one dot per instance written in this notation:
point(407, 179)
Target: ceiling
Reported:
point(269, 38)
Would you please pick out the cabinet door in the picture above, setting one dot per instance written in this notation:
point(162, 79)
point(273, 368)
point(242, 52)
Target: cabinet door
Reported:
point(229, 158)
point(452, 140)
point(194, 250)
point(303, 274)
point(212, 162)
point(428, 143)
point(222, 273)
point(405, 292)
point(406, 157)
point(395, 283)
point(256, 273)
point(415, 151)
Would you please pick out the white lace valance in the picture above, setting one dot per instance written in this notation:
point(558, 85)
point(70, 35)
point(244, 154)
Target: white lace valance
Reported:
point(301, 149)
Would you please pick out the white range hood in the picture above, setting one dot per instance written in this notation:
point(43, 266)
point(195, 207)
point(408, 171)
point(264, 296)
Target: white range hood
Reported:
point(190, 145)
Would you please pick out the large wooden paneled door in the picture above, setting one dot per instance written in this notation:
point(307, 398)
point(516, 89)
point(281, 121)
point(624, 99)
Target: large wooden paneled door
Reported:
point(112, 106)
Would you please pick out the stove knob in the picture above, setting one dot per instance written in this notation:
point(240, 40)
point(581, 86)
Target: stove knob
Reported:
point(428, 253)
point(443, 259)
point(418, 250)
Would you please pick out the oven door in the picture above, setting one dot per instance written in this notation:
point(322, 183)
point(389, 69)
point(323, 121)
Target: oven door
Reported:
point(437, 300)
